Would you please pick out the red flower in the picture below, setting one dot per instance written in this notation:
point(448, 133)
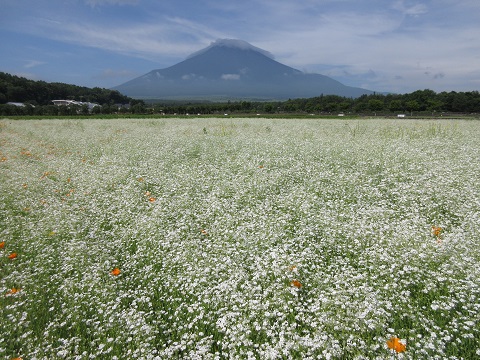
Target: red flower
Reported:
point(115, 272)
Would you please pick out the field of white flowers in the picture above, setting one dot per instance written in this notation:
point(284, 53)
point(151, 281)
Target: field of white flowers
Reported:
point(239, 239)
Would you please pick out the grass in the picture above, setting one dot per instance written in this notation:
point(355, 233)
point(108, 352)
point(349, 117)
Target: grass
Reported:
point(239, 238)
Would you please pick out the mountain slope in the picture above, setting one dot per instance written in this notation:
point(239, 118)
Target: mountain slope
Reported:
point(233, 69)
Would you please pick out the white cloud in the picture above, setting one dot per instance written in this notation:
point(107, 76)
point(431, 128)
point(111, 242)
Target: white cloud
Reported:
point(230, 77)
point(191, 76)
point(94, 3)
point(347, 45)
point(234, 43)
point(173, 37)
point(33, 63)
point(115, 74)
point(412, 10)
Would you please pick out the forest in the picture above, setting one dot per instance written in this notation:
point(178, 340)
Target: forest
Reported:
point(29, 97)
point(36, 97)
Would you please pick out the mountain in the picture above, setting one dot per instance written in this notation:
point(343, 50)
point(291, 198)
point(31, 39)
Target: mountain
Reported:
point(229, 69)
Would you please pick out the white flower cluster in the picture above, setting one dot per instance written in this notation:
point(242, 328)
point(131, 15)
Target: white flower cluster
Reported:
point(256, 239)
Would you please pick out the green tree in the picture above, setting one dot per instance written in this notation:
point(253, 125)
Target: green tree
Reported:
point(246, 106)
point(139, 108)
point(345, 106)
point(412, 106)
point(434, 105)
point(330, 107)
point(268, 108)
point(395, 105)
point(97, 110)
point(375, 105)
point(422, 97)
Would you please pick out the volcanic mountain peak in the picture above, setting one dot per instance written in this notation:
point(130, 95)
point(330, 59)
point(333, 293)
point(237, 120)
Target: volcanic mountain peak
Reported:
point(233, 69)
point(232, 43)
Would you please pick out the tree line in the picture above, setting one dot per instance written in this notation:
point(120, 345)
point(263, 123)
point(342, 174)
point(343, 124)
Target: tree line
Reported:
point(38, 95)
point(420, 102)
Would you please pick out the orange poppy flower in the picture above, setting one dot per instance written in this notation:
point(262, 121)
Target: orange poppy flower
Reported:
point(12, 291)
point(296, 283)
point(436, 231)
point(2, 244)
point(115, 272)
point(395, 344)
point(12, 255)
point(260, 166)
point(204, 232)
point(152, 199)
point(17, 358)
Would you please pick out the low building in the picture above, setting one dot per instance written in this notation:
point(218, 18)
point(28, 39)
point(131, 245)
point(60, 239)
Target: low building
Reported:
point(89, 105)
point(19, 104)
point(66, 102)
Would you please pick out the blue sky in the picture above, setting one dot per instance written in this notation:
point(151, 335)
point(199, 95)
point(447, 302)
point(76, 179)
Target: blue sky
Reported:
point(396, 46)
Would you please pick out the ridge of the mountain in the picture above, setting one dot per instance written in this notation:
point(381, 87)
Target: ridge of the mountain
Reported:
point(231, 68)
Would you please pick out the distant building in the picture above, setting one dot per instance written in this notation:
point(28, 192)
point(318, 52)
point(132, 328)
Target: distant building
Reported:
point(90, 105)
point(401, 115)
point(66, 102)
point(16, 104)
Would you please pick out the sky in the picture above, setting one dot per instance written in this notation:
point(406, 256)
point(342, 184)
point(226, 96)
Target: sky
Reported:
point(394, 46)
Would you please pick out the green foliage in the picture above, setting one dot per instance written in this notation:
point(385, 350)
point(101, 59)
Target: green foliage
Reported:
point(37, 95)
point(18, 89)
point(375, 105)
